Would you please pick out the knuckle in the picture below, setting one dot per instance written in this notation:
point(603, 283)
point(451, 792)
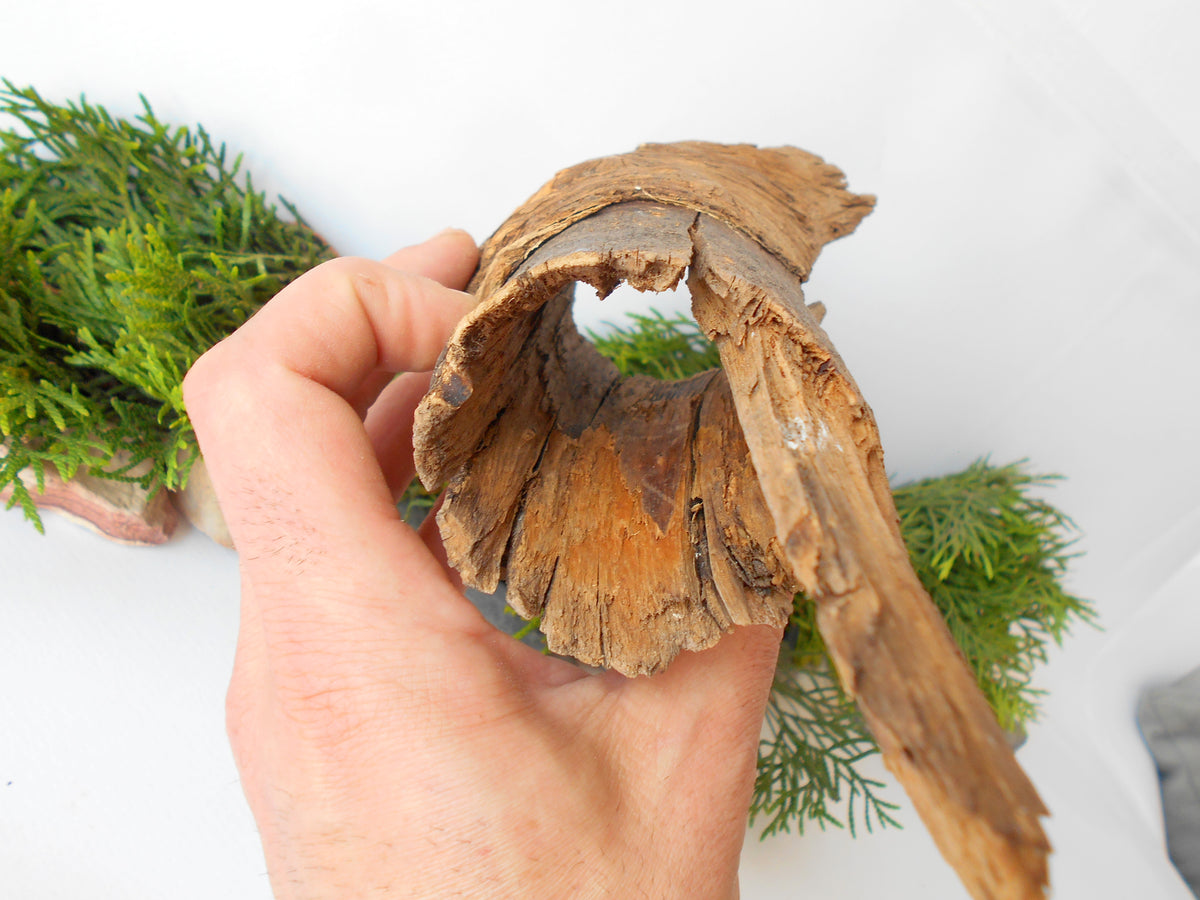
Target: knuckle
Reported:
point(330, 688)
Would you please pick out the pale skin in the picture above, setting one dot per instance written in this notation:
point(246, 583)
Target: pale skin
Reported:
point(390, 741)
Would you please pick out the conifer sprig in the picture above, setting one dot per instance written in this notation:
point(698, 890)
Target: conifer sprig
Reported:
point(127, 249)
point(993, 555)
point(666, 347)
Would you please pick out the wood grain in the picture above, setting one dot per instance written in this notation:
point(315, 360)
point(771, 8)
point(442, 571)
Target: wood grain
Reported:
point(122, 511)
point(641, 518)
point(669, 543)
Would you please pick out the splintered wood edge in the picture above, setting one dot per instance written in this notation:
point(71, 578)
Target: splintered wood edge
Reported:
point(811, 436)
point(789, 201)
point(624, 512)
point(816, 448)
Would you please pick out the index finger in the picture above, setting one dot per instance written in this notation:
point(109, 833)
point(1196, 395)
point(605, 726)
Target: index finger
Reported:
point(289, 457)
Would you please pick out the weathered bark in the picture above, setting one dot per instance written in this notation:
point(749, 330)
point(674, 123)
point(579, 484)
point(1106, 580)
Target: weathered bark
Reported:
point(197, 502)
point(639, 518)
point(816, 448)
point(670, 543)
point(119, 510)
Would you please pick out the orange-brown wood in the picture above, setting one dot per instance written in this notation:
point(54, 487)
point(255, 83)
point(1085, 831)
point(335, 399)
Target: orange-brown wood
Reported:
point(640, 518)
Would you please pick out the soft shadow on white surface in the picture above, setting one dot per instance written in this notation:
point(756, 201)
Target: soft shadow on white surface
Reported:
point(1028, 286)
point(1156, 646)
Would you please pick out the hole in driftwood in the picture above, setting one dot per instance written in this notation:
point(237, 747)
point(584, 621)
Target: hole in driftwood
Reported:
point(644, 332)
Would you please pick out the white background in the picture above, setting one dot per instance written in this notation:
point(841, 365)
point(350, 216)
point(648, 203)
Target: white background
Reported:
point(1027, 287)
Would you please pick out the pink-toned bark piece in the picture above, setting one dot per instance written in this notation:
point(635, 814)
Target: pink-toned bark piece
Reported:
point(118, 510)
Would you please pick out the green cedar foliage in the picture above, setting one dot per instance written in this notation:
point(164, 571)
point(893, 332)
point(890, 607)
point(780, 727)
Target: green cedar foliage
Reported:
point(127, 248)
point(993, 557)
point(669, 348)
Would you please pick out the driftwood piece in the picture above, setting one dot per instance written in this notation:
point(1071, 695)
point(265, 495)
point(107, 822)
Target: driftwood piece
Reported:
point(119, 510)
point(646, 566)
point(639, 518)
point(816, 448)
point(197, 502)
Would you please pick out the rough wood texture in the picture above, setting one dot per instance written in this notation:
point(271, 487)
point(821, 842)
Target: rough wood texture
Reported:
point(118, 510)
point(790, 201)
point(197, 502)
point(670, 543)
point(639, 518)
point(815, 446)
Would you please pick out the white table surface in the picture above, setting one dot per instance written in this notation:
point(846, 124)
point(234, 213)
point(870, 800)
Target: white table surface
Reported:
point(1028, 286)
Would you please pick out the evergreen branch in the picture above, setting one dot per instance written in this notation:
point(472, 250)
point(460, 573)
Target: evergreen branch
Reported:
point(808, 762)
point(667, 348)
point(127, 249)
point(993, 557)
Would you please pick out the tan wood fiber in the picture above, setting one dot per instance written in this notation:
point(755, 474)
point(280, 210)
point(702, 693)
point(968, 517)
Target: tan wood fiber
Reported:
point(641, 518)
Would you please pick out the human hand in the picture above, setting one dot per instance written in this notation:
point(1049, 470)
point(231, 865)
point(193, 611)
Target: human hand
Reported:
point(390, 740)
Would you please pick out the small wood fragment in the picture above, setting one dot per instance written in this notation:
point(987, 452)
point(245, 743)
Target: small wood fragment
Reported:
point(197, 502)
point(119, 510)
